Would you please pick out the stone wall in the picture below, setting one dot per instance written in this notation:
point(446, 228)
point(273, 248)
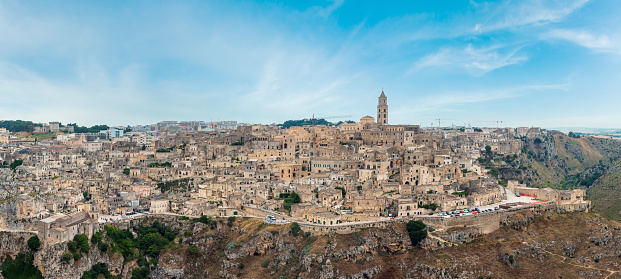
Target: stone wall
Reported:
point(485, 222)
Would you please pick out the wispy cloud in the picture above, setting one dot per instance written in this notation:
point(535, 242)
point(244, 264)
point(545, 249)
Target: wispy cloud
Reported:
point(584, 38)
point(457, 103)
point(476, 62)
point(327, 11)
point(514, 14)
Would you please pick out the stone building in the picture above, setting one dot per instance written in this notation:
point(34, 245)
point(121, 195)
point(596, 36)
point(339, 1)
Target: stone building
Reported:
point(61, 227)
point(159, 206)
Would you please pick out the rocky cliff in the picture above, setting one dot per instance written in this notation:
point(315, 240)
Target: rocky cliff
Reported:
point(529, 245)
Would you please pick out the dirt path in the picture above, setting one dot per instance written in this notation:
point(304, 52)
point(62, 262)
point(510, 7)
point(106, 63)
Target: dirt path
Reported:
point(611, 272)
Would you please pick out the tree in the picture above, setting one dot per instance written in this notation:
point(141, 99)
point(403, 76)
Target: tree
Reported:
point(67, 256)
point(81, 241)
point(193, 251)
point(417, 231)
point(16, 164)
point(21, 267)
point(417, 236)
point(34, 243)
point(295, 228)
point(96, 271)
point(295, 197)
point(72, 246)
point(18, 125)
point(488, 149)
point(126, 171)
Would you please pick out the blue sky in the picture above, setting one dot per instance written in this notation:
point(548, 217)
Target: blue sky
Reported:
point(526, 63)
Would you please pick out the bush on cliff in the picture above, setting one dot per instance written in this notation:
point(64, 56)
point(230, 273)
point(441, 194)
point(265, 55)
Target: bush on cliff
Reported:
point(20, 268)
point(34, 243)
point(295, 228)
point(417, 231)
point(81, 240)
point(67, 256)
point(150, 241)
point(97, 271)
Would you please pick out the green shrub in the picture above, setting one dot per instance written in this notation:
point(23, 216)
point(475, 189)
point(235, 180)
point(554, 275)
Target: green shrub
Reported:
point(21, 267)
point(34, 243)
point(193, 251)
point(97, 237)
point(96, 271)
point(416, 231)
point(295, 228)
point(72, 246)
point(76, 256)
point(231, 245)
point(265, 263)
point(81, 241)
point(67, 256)
point(103, 247)
point(241, 265)
point(140, 273)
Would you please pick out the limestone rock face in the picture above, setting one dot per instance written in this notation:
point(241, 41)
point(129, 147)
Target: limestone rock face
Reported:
point(509, 259)
point(12, 244)
point(249, 249)
point(49, 261)
point(460, 235)
point(570, 249)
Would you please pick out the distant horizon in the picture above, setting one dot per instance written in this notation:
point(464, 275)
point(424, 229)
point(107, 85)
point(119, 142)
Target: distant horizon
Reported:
point(561, 129)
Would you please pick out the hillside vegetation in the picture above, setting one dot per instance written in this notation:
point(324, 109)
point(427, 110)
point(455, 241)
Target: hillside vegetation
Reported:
point(563, 162)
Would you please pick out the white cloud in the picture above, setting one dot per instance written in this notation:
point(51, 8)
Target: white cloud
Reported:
point(584, 38)
point(327, 11)
point(514, 14)
point(476, 62)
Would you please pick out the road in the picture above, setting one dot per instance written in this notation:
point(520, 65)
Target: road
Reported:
point(511, 197)
point(17, 231)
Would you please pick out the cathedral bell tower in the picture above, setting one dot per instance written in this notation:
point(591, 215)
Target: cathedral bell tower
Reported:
point(382, 109)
